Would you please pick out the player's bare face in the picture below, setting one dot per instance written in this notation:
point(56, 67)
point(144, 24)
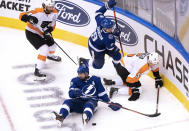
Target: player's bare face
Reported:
point(49, 9)
point(108, 30)
point(83, 76)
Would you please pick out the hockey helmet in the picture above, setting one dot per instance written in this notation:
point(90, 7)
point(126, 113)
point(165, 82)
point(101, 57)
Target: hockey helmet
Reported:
point(83, 69)
point(106, 23)
point(153, 58)
point(48, 3)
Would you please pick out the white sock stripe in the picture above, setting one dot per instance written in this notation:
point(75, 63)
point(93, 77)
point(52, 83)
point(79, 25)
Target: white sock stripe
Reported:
point(102, 93)
point(88, 109)
point(66, 107)
point(74, 89)
point(116, 62)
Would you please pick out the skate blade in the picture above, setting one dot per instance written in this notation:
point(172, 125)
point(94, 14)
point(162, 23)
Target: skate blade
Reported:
point(84, 119)
point(59, 123)
point(36, 78)
point(53, 117)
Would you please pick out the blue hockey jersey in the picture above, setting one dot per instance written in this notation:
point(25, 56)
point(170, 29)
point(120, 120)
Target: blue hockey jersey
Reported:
point(100, 40)
point(91, 88)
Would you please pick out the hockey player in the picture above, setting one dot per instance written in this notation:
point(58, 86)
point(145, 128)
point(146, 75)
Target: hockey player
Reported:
point(84, 91)
point(102, 41)
point(130, 73)
point(40, 23)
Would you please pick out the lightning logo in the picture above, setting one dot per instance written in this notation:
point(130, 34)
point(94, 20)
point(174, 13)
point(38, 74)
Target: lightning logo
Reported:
point(89, 90)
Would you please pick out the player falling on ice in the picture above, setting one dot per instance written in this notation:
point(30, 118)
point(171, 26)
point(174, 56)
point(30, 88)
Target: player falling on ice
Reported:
point(130, 73)
point(84, 93)
point(40, 23)
point(102, 41)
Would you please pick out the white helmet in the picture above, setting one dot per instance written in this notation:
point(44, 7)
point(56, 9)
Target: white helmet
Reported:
point(153, 58)
point(48, 3)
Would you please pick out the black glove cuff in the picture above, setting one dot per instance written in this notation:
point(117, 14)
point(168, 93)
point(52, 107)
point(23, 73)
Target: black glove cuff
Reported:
point(49, 30)
point(156, 74)
point(25, 18)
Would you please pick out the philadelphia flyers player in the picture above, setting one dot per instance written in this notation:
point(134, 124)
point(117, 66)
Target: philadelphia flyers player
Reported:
point(84, 92)
point(40, 23)
point(130, 73)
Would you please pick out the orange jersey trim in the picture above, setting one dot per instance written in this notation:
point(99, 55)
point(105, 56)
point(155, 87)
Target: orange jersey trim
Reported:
point(157, 69)
point(21, 14)
point(34, 28)
point(138, 75)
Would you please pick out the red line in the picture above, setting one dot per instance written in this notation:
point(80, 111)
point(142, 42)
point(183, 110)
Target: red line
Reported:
point(7, 114)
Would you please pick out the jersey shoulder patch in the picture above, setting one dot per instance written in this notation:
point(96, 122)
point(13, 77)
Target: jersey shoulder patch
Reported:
point(110, 36)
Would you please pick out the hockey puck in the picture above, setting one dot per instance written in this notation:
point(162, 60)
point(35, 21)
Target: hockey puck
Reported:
point(94, 124)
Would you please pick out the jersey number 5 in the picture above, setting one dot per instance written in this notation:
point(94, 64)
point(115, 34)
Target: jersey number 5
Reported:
point(94, 36)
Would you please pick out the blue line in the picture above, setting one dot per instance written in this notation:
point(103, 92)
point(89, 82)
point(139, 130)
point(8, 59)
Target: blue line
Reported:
point(176, 44)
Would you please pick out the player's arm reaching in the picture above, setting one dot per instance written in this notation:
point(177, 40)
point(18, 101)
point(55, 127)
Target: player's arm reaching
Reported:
point(102, 95)
point(158, 79)
point(74, 91)
point(27, 16)
point(49, 28)
point(100, 13)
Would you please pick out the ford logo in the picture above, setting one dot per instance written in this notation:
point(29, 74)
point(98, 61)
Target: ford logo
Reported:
point(128, 35)
point(71, 14)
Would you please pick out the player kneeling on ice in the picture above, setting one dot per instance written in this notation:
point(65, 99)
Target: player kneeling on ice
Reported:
point(130, 73)
point(102, 41)
point(40, 23)
point(85, 91)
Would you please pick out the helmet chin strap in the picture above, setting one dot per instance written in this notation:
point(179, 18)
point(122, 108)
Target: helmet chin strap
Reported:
point(47, 12)
point(104, 29)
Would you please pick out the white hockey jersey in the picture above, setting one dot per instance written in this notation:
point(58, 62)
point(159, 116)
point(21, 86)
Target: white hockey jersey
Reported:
point(137, 65)
point(44, 20)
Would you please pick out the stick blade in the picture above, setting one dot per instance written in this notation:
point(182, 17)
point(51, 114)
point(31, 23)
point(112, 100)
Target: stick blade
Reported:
point(154, 115)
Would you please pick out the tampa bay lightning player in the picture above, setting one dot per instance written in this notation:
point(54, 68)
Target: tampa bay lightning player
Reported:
point(102, 41)
point(85, 91)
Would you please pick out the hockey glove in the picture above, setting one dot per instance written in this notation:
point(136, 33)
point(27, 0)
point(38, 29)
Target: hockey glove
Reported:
point(48, 37)
point(116, 31)
point(77, 93)
point(158, 82)
point(32, 19)
point(135, 95)
point(115, 106)
point(110, 4)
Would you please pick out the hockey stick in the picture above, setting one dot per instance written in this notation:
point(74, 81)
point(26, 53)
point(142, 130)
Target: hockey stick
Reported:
point(157, 102)
point(148, 115)
point(119, 35)
point(66, 53)
point(59, 47)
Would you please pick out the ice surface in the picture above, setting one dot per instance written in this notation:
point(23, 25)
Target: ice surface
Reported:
point(29, 103)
